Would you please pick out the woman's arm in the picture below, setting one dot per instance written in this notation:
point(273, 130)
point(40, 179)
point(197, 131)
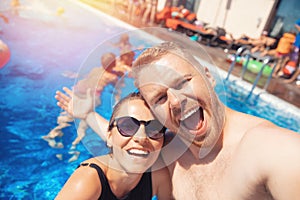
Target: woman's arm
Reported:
point(84, 183)
point(98, 124)
point(82, 108)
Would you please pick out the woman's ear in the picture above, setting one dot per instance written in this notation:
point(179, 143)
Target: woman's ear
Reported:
point(210, 77)
point(109, 140)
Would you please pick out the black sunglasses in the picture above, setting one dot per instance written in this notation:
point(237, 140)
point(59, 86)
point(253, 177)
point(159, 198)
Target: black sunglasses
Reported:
point(128, 126)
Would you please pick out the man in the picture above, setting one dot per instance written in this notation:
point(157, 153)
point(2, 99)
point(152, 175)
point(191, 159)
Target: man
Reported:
point(230, 155)
point(220, 153)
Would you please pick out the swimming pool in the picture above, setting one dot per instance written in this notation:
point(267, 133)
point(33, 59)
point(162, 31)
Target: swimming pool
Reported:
point(43, 47)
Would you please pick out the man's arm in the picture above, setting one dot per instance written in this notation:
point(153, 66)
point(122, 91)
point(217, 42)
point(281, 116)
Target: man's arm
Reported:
point(283, 175)
point(98, 124)
point(276, 154)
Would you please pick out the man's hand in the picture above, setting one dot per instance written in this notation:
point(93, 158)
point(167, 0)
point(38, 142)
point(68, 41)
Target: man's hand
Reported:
point(75, 106)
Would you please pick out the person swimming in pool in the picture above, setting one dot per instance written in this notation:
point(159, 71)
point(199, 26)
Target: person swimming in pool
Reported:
point(230, 155)
point(135, 138)
point(91, 86)
point(123, 44)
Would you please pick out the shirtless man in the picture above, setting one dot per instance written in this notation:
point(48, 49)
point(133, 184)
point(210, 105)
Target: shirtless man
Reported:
point(220, 153)
point(230, 155)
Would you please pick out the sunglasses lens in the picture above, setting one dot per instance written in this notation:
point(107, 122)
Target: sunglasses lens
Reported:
point(155, 129)
point(127, 126)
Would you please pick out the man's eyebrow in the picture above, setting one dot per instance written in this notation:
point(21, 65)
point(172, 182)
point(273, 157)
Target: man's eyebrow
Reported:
point(188, 75)
point(181, 77)
point(155, 95)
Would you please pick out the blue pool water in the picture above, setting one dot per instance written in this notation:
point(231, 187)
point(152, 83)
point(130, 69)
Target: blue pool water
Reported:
point(43, 47)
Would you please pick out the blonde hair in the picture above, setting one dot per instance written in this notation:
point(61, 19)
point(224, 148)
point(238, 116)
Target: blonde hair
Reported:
point(155, 53)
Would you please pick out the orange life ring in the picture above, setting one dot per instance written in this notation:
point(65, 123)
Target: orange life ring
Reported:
point(4, 54)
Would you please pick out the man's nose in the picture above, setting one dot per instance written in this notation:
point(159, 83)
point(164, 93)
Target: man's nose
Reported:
point(176, 98)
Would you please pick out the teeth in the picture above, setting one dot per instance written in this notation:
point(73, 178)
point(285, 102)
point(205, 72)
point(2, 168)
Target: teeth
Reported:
point(190, 113)
point(138, 152)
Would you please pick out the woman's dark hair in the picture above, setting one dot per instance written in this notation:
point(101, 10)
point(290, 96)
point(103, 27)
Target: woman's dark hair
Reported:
point(129, 97)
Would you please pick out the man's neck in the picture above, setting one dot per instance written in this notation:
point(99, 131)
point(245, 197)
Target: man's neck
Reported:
point(207, 154)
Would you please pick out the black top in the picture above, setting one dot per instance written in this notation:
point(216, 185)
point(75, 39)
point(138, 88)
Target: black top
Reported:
point(143, 190)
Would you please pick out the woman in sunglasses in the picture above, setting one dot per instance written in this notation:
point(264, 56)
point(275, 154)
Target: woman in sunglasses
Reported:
point(135, 138)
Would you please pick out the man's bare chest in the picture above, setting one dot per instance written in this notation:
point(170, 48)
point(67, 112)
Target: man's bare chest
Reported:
point(198, 182)
point(215, 181)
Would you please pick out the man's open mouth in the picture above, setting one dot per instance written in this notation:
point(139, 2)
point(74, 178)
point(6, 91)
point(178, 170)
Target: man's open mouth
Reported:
point(193, 120)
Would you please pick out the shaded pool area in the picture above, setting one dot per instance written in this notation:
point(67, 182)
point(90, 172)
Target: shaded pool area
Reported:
point(45, 47)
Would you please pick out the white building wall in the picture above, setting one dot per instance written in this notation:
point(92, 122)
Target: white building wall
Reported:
point(161, 4)
point(243, 16)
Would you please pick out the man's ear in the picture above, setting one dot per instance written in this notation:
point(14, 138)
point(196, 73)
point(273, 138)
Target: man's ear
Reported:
point(210, 77)
point(109, 140)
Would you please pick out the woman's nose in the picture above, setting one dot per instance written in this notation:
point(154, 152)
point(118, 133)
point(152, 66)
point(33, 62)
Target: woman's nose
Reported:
point(140, 135)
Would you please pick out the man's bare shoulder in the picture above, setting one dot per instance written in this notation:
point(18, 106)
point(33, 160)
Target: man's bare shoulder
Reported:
point(270, 133)
point(259, 141)
point(266, 155)
point(271, 153)
point(266, 142)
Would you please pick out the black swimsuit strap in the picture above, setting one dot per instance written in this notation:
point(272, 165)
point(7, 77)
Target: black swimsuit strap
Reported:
point(102, 177)
point(143, 191)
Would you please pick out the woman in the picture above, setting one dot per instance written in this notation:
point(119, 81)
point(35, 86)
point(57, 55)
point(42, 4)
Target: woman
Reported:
point(135, 138)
